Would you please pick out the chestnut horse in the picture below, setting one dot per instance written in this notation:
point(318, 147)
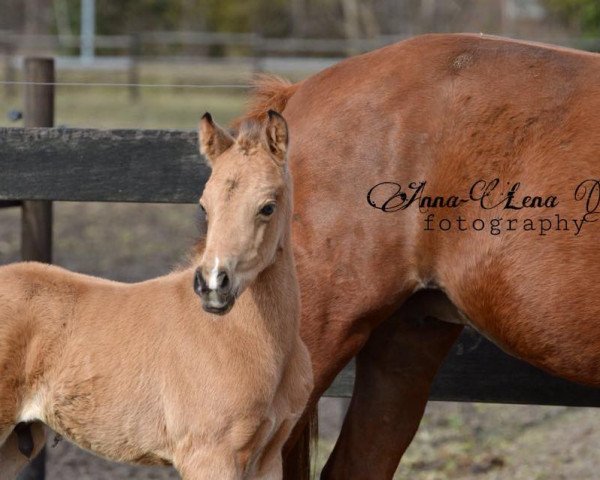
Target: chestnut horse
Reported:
point(139, 373)
point(407, 161)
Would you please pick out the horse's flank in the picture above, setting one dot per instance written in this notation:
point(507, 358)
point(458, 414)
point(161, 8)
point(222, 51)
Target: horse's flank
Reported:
point(447, 109)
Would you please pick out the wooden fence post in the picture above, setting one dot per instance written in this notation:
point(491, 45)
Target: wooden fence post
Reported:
point(36, 216)
point(133, 72)
point(258, 52)
point(9, 71)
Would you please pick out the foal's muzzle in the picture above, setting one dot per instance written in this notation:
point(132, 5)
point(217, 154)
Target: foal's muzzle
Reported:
point(220, 298)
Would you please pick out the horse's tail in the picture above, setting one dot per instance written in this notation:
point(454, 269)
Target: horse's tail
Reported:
point(298, 464)
point(269, 92)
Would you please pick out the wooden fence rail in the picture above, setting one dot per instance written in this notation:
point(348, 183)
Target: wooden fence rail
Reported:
point(248, 42)
point(245, 42)
point(165, 166)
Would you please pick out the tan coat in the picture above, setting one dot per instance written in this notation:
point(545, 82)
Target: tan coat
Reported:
point(140, 373)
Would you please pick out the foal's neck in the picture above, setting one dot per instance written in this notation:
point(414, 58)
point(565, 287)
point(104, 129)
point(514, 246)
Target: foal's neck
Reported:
point(275, 291)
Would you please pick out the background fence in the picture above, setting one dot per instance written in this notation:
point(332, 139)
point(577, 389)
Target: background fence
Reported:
point(129, 52)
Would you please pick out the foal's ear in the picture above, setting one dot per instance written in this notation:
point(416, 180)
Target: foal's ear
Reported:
point(277, 135)
point(212, 138)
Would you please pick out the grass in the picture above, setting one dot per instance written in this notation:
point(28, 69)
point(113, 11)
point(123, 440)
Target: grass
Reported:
point(112, 107)
point(171, 108)
point(156, 108)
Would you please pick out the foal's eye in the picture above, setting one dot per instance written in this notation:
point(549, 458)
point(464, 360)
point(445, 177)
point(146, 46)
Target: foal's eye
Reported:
point(267, 210)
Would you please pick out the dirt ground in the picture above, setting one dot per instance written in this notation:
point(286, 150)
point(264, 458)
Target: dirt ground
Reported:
point(456, 441)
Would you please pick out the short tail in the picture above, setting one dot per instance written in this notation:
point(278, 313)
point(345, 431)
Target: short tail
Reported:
point(269, 92)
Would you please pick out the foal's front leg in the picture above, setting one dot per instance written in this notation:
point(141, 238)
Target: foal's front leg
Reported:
point(270, 466)
point(208, 463)
point(12, 461)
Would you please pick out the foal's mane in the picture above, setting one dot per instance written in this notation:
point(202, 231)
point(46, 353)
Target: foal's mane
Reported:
point(269, 92)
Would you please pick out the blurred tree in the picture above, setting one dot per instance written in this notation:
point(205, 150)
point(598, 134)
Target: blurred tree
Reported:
point(272, 17)
point(584, 14)
point(63, 22)
point(305, 18)
point(359, 19)
point(12, 16)
point(38, 16)
point(268, 17)
point(299, 17)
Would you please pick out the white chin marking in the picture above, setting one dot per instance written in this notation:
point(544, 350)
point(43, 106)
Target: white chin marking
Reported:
point(214, 273)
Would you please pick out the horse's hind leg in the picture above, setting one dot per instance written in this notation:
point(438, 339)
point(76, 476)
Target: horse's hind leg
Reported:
point(394, 371)
point(12, 460)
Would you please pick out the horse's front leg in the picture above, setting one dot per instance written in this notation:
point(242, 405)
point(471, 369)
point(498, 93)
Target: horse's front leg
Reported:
point(394, 371)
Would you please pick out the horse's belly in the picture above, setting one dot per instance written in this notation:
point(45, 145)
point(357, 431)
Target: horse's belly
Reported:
point(564, 342)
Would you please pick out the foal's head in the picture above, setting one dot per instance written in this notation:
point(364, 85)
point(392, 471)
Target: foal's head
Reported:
point(247, 202)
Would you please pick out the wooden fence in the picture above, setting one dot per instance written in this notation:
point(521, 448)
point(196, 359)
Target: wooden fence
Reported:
point(149, 43)
point(199, 47)
point(156, 43)
point(41, 165)
point(162, 166)
point(251, 48)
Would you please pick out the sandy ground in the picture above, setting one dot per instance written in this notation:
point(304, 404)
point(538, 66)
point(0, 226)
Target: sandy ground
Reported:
point(456, 441)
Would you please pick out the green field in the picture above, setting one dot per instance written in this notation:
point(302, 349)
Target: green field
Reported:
point(114, 107)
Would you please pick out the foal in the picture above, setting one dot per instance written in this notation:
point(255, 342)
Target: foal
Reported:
point(140, 373)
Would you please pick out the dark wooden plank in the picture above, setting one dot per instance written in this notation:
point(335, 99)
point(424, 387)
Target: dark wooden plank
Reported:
point(151, 166)
point(478, 371)
point(10, 203)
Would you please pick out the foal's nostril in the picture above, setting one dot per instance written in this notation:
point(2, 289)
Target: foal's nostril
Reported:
point(200, 285)
point(223, 282)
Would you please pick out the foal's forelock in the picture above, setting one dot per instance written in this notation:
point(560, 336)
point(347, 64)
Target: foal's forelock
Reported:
point(250, 136)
